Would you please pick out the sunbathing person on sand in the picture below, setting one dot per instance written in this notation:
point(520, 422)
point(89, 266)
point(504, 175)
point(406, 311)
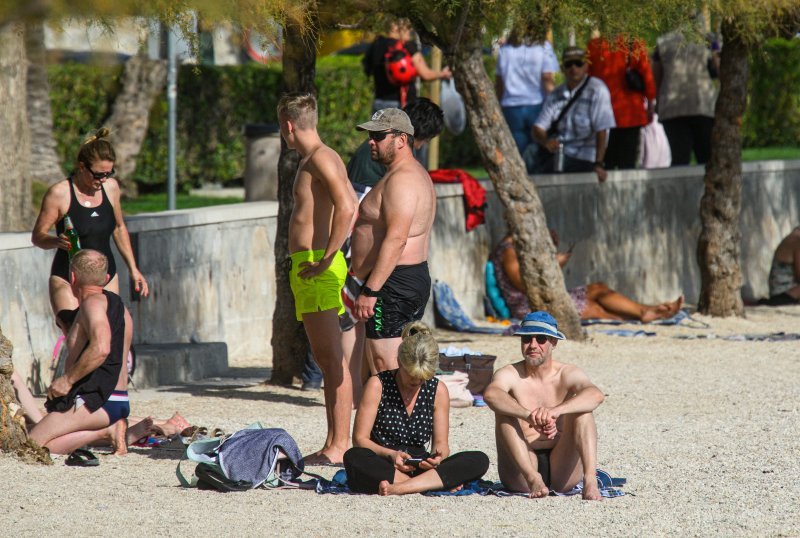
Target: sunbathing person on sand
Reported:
point(593, 301)
point(401, 428)
point(544, 422)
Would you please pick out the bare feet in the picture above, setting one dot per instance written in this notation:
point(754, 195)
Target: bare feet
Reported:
point(172, 426)
point(119, 437)
point(383, 488)
point(590, 490)
point(662, 311)
point(143, 428)
point(537, 487)
point(325, 457)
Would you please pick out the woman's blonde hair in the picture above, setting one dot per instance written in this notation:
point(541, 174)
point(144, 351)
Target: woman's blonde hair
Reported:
point(96, 147)
point(418, 352)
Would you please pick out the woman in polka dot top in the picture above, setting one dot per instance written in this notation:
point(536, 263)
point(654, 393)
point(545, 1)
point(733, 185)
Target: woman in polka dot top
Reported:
point(401, 429)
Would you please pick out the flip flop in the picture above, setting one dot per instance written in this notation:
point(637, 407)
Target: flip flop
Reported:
point(82, 458)
point(218, 432)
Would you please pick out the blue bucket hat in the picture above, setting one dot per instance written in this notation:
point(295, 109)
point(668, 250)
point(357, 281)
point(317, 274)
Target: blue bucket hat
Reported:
point(540, 322)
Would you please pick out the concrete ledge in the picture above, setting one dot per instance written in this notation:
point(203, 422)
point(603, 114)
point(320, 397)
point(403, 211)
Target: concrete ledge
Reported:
point(174, 364)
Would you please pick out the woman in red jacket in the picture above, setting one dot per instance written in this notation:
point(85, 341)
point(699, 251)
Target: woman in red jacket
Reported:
point(633, 106)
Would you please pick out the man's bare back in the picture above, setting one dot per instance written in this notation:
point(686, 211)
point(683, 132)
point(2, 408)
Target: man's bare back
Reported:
point(408, 187)
point(311, 222)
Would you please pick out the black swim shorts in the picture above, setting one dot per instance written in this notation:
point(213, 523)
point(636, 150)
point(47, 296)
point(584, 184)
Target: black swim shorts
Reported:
point(402, 299)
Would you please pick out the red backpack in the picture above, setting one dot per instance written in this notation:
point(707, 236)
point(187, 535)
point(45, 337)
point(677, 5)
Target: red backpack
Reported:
point(400, 68)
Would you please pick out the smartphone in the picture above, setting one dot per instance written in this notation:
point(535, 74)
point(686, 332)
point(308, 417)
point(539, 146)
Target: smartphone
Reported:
point(413, 462)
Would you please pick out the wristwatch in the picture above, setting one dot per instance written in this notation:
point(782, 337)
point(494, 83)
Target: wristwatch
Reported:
point(601, 164)
point(369, 292)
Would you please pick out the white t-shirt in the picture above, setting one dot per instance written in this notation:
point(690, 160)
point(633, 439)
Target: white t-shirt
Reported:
point(521, 69)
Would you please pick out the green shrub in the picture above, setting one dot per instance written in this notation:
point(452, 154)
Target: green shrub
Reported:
point(214, 104)
point(773, 112)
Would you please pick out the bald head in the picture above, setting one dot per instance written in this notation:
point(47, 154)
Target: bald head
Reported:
point(90, 268)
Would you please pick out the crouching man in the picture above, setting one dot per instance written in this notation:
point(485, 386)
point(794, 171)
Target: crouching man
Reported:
point(544, 427)
point(87, 397)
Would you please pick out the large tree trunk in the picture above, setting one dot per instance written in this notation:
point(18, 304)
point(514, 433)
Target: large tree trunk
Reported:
point(142, 81)
point(718, 247)
point(15, 143)
point(45, 165)
point(289, 342)
point(13, 435)
point(525, 215)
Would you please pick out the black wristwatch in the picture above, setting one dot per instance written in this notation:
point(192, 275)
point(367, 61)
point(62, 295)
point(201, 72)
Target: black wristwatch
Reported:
point(601, 164)
point(369, 292)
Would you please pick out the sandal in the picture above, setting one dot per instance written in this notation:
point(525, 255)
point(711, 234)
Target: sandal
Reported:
point(218, 432)
point(82, 458)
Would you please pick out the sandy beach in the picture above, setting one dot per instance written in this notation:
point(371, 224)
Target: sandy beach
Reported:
point(706, 431)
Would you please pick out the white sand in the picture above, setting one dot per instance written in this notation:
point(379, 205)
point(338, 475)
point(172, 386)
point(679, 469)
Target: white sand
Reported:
point(705, 431)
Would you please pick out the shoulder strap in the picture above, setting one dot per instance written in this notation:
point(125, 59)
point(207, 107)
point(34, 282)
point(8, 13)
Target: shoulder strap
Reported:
point(571, 102)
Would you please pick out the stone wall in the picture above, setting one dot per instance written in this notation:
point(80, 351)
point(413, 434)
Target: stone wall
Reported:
point(211, 270)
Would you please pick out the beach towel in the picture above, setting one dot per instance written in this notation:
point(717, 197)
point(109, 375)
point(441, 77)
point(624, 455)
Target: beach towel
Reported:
point(474, 194)
point(452, 315)
point(609, 487)
point(625, 332)
point(771, 337)
point(682, 318)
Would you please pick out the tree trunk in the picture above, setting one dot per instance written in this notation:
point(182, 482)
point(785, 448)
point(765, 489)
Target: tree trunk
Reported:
point(13, 435)
point(44, 164)
point(289, 342)
point(15, 143)
point(525, 215)
point(142, 82)
point(718, 247)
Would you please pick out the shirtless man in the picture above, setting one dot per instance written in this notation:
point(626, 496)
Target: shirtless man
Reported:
point(391, 238)
point(324, 209)
point(87, 398)
point(544, 427)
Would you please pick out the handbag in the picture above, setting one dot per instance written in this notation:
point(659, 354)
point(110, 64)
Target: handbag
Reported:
point(479, 369)
point(633, 78)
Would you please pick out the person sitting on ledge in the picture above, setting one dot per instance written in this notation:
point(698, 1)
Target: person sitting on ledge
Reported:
point(784, 275)
point(401, 428)
point(593, 301)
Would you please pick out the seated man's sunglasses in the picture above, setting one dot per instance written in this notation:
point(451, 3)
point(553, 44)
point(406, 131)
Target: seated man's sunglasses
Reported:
point(377, 136)
point(540, 338)
point(573, 63)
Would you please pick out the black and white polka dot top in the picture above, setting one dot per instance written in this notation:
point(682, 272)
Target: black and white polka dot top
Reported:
point(393, 427)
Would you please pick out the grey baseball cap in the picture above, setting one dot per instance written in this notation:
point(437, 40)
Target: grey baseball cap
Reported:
point(386, 119)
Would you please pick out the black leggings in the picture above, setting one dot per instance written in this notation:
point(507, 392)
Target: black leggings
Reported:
point(366, 470)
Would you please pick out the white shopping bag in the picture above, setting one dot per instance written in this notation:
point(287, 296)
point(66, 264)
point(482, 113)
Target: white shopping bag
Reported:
point(656, 152)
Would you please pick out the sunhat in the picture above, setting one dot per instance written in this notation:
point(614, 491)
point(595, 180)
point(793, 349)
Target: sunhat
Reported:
point(540, 322)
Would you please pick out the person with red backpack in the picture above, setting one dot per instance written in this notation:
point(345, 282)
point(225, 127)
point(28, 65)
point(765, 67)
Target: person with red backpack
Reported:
point(394, 62)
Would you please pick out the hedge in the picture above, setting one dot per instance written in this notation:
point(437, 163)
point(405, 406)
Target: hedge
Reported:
point(773, 113)
point(214, 103)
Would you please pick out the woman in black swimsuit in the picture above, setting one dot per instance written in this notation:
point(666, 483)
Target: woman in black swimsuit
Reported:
point(90, 196)
point(401, 429)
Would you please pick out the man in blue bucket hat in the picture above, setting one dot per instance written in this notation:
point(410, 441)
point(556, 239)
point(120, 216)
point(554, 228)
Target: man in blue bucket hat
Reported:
point(544, 426)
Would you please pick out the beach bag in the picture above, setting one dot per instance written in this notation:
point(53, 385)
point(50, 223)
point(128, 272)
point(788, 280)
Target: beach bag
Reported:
point(210, 473)
point(456, 383)
point(400, 70)
point(479, 369)
point(455, 114)
point(656, 152)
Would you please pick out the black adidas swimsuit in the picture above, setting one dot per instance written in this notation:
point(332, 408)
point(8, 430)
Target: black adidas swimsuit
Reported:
point(94, 225)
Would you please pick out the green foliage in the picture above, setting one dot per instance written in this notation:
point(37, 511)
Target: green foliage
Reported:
point(154, 202)
point(773, 112)
point(214, 104)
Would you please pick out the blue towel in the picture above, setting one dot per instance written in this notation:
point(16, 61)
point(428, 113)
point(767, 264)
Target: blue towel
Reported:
point(609, 487)
point(250, 454)
point(448, 308)
point(625, 332)
point(681, 318)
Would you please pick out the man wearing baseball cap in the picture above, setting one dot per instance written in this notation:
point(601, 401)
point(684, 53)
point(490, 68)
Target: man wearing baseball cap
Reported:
point(544, 427)
point(390, 239)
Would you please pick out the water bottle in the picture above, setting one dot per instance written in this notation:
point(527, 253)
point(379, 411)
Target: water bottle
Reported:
point(72, 235)
point(560, 157)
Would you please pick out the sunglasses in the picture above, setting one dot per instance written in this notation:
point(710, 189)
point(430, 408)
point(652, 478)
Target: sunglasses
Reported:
point(101, 175)
point(573, 63)
point(540, 338)
point(377, 136)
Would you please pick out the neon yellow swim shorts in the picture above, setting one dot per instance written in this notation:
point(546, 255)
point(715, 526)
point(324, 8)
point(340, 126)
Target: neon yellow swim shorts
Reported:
point(322, 292)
